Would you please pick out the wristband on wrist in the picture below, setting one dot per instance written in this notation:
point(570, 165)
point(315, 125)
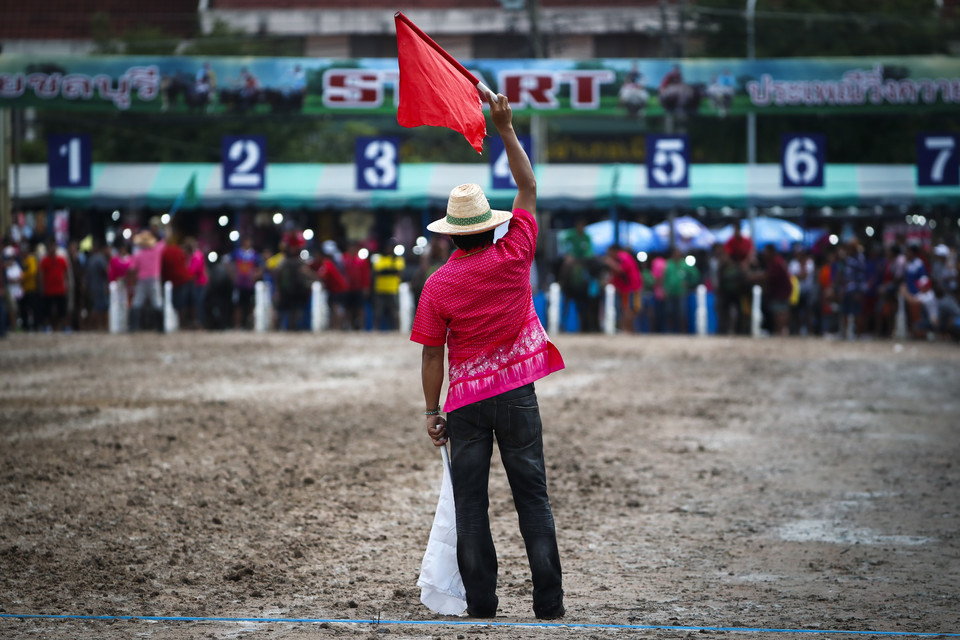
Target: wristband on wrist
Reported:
point(435, 412)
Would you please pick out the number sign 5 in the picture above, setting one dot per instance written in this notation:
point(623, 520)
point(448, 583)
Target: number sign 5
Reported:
point(668, 162)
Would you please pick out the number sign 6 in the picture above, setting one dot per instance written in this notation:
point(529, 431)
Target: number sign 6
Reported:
point(802, 160)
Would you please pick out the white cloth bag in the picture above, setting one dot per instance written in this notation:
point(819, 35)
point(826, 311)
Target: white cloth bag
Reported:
point(441, 588)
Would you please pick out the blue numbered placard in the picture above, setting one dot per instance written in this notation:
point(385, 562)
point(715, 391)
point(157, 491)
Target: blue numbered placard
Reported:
point(378, 163)
point(668, 162)
point(68, 160)
point(802, 159)
point(500, 174)
point(938, 163)
point(244, 162)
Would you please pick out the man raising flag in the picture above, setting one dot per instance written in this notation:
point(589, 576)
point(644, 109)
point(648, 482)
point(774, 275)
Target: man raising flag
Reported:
point(435, 89)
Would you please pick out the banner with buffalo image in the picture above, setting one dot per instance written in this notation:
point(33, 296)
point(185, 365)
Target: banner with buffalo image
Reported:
point(629, 88)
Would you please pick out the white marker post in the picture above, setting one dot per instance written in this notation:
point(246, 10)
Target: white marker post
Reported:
point(900, 323)
point(609, 310)
point(553, 309)
point(319, 317)
point(261, 307)
point(406, 308)
point(170, 321)
point(755, 315)
point(117, 319)
point(701, 313)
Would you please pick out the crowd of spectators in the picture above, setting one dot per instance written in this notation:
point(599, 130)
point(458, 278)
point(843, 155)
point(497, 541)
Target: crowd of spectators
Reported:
point(842, 290)
point(45, 287)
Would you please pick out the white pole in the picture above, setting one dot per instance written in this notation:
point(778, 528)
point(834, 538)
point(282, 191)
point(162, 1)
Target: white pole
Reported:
point(755, 315)
point(170, 323)
point(406, 307)
point(118, 307)
point(318, 307)
point(609, 310)
point(701, 314)
point(261, 307)
point(553, 309)
point(484, 89)
point(900, 323)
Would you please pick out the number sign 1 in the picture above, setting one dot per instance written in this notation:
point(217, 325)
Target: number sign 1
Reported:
point(244, 162)
point(501, 176)
point(668, 162)
point(802, 160)
point(68, 160)
point(378, 163)
point(938, 163)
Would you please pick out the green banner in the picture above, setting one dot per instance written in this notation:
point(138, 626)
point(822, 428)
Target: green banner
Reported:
point(624, 87)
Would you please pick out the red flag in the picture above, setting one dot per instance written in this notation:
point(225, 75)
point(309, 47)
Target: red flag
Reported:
point(435, 89)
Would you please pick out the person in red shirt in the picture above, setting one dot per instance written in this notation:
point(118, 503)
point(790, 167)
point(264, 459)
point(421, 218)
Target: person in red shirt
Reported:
point(356, 272)
point(477, 310)
point(174, 268)
point(53, 271)
point(336, 285)
point(778, 288)
point(739, 247)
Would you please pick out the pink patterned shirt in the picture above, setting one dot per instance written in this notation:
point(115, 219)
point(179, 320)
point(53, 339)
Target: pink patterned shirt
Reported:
point(147, 262)
point(480, 305)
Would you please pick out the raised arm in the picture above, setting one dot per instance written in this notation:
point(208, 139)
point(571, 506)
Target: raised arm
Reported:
point(520, 167)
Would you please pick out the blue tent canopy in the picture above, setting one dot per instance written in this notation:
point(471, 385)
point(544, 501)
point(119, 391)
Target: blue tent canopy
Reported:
point(781, 233)
point(632, 235)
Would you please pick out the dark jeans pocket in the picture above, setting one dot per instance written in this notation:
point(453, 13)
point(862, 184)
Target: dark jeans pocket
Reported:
point(524, 425)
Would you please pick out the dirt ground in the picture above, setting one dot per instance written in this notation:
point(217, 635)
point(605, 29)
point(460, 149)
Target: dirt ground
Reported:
point(786, 484)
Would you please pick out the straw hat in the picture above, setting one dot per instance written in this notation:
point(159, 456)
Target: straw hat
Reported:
point(145, 239)
point(468, 212)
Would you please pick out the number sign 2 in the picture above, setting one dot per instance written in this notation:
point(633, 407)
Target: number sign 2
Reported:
point(68, 160)
point(668, 162)
point(378, 163)
point(244, 162)
point(802, 160)
point(501, 176)
point(938, 163)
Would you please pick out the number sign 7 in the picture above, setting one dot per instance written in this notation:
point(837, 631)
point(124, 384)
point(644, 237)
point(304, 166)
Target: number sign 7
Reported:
point(937, 160)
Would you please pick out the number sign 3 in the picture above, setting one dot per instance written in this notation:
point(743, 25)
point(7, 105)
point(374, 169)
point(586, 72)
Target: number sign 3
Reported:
point(378, 163)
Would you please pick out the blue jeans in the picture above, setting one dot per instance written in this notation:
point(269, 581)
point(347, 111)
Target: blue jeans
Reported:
point(514, 418)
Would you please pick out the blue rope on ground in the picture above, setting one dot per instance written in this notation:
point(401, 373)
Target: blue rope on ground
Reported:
point(476, 623)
